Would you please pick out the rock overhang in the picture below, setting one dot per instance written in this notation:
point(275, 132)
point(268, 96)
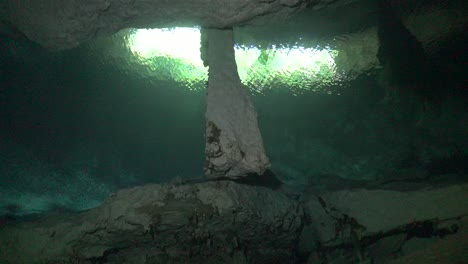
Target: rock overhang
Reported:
point(59, 25)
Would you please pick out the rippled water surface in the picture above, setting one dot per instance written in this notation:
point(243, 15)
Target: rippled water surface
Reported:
point(174, 54)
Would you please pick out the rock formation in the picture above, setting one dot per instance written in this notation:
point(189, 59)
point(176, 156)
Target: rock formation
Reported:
point(234, 145)
point(63, 24)
point(226, 222)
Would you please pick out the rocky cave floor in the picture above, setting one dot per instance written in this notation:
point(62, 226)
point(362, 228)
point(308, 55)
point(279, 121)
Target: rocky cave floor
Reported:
point(397, 221)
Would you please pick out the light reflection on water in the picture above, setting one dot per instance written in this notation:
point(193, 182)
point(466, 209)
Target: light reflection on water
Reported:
point(174, 54)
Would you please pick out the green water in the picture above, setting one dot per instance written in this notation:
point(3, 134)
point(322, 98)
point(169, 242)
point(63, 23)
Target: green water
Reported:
point(79, 124)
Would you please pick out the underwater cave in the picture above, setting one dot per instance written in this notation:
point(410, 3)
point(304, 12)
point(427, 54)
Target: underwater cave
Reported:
point(280, 131)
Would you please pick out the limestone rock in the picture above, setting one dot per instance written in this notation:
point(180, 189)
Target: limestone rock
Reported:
point(226, 222)
point(63, 24)
point(382, 210)
point(216, 222)
point(359, 224)
point(234, 145)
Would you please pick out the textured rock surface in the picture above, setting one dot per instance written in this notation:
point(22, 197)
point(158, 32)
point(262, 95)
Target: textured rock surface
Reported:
point(451, 249)
point(234, 145)
point(220, 222)
point(225, 222)
point(375, 224)
point(381, 210)
point(62, 24)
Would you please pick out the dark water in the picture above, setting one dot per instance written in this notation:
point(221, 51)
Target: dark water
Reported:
point(79, 124)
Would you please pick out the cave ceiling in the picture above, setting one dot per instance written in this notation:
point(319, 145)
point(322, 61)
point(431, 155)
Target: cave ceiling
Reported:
point(64, 24)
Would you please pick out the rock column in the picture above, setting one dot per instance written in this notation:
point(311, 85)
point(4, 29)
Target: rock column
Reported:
point(234, 145)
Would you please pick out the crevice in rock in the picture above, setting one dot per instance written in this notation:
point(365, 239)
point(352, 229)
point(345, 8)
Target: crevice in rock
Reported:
point(420, 229)
point(349, 236)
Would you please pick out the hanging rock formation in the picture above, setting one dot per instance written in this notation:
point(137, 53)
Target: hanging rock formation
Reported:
point(234, 145)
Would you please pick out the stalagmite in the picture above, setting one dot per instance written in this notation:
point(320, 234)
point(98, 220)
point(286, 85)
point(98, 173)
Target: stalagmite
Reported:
point(234, 145)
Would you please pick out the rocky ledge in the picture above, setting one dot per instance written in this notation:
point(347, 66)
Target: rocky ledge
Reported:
point(227, 222)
